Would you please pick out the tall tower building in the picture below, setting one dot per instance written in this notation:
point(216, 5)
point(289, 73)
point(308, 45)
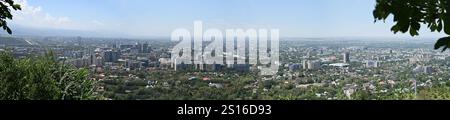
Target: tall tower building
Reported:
point(346, 57)
point(305, 64)
point(145, 48)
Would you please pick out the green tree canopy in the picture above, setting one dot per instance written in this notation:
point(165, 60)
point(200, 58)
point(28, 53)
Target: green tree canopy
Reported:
point(42, 78)
point(410, 14)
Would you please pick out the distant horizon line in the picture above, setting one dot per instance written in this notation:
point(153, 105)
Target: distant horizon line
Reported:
point(20, 30)
point(168, 37)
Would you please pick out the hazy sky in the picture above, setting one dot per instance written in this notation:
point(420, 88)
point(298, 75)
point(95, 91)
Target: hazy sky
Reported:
point(294, 18)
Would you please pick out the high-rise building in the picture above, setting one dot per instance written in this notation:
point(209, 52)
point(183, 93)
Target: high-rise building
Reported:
point(126, 46)
point(346, 56)
point(294, 67)
point(314, 65)
point(305, 64)
point(114, 46)
point(423, 69)
point(428, 70)
point(200, 66)
point(111, 56)
point(91, 59)
point(372, 64)
point(77, 62)
point(87, 60)
point(241, 67)
point(418, 69)
point(133, 64)
point(143, 48)
point(216, 67)
point(98, 61)
point(180, 66)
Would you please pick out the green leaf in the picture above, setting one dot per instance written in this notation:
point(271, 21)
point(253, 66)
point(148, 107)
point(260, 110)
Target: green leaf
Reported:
point(17, 7)
point(395, 28)
point(415, 26)
point(8, 30)
point(442, 43)
point(439, 27)
point(447, 27)
point(433, 27)
point(413, 32)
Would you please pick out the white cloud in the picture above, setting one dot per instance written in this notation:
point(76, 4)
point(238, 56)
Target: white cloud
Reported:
point(34, 16)
point(37, 17)
point(98, 23)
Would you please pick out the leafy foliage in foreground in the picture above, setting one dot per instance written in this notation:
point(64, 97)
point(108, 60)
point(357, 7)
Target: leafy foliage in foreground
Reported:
point(42, 78)
point(410, 14)
point(5, 13)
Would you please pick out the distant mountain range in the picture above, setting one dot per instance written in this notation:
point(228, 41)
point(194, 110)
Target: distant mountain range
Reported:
point(28, 31)
point(19, 30)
